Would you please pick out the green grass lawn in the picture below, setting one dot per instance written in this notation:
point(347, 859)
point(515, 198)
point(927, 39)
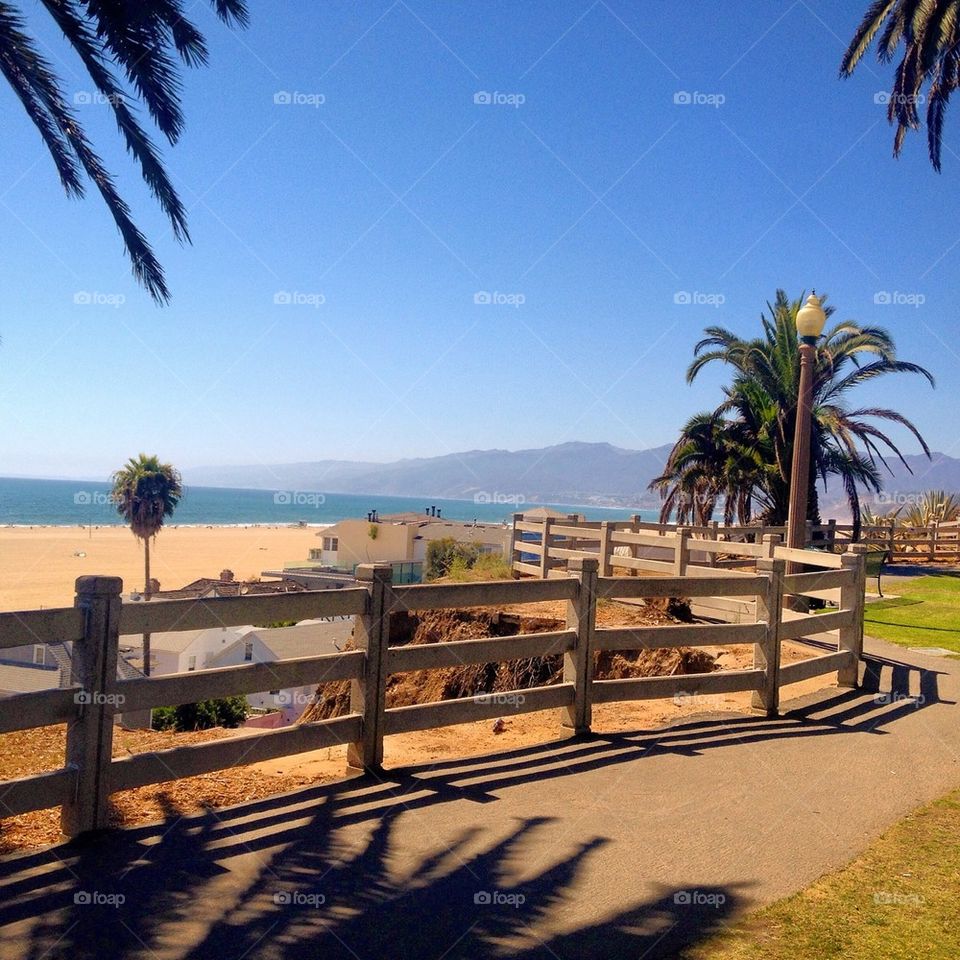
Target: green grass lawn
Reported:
point(925, 613)
point(899, 901)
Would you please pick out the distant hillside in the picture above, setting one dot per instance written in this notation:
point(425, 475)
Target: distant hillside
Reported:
point(566, 473)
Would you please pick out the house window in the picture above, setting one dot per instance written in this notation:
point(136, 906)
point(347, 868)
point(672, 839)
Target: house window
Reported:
point(331, 543)
point(192, 663)
point(248, 650)
point(39, 654)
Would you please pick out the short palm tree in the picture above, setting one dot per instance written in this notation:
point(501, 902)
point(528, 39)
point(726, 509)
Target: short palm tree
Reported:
point(144, 41)
point(930, 33)
point(145, 493)
point(931, 507)
point(743, 450)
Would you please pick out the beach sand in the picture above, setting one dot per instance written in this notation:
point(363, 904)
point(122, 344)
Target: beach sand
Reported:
point(38, 565)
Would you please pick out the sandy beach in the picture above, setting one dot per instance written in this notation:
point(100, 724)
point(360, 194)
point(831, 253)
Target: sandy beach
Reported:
point(38, 565)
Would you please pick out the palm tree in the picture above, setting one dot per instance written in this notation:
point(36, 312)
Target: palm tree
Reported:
point(930, 32)
point(144, 41)
point(743, 450)
point(931, 507)
point(146, 492)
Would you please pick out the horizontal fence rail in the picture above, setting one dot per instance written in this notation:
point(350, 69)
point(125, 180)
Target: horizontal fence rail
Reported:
point(745, 606)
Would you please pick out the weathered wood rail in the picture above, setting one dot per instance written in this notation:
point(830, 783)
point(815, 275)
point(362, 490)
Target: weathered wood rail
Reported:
point(90, 774)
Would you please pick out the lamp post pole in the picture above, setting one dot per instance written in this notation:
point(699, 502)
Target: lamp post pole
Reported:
point(810, 321)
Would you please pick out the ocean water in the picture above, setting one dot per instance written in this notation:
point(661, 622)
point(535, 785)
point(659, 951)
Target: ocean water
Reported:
point(80, 503)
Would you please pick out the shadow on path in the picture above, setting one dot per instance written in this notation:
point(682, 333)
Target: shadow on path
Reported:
point(320, 872)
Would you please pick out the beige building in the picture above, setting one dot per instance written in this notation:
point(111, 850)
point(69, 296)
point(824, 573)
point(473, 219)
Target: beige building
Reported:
point(401, 538)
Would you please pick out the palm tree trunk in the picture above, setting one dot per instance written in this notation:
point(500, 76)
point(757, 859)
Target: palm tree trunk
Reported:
point(146, 596)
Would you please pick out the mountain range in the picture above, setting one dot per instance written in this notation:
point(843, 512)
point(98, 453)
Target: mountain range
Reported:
point(573, 472)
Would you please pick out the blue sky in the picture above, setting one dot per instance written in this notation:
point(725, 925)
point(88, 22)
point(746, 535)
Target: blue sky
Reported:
point(382, 199)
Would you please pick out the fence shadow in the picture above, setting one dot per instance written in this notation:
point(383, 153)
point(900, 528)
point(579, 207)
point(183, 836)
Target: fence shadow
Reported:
point(319, 871)
point(316, 893)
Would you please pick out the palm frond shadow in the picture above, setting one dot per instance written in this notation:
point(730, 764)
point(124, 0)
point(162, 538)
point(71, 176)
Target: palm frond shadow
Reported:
point(320, 893)
point(322, 871)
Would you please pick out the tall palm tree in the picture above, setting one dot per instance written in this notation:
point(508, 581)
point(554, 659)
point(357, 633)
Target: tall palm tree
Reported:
point(747, 451)
point(146, 492)
point(930, 33)
point(144, 41)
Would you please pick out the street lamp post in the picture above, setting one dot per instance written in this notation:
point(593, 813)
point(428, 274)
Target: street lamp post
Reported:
point(810, 321)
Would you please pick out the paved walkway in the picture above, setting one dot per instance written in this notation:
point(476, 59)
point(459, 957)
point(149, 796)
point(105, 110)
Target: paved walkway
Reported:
point(613, 846)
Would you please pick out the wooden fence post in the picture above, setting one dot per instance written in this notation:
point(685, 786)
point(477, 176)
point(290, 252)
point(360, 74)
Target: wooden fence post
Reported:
point(681, 556)
point(934, 530)
point(852, 597)
point(891, 538)
point(770, 543)
point(766, 655)
point(515, 550)
point(578, 662)
point(90, 735)
point(606, 550)
point(368, 695)
point(545, 546)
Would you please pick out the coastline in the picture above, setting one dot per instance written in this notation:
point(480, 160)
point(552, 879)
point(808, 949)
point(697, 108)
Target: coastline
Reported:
point(39, 565)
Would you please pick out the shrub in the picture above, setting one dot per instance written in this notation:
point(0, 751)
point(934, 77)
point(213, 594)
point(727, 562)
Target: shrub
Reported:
point(225, 712)
point(441, 555)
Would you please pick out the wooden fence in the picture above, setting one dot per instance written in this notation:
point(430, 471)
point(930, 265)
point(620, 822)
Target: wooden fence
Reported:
point(936, 542)
point(90, 774)
point(610, 540)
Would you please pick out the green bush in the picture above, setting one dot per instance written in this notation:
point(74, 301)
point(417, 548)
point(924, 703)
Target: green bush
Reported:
point(225, 712)
point(441, 555)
